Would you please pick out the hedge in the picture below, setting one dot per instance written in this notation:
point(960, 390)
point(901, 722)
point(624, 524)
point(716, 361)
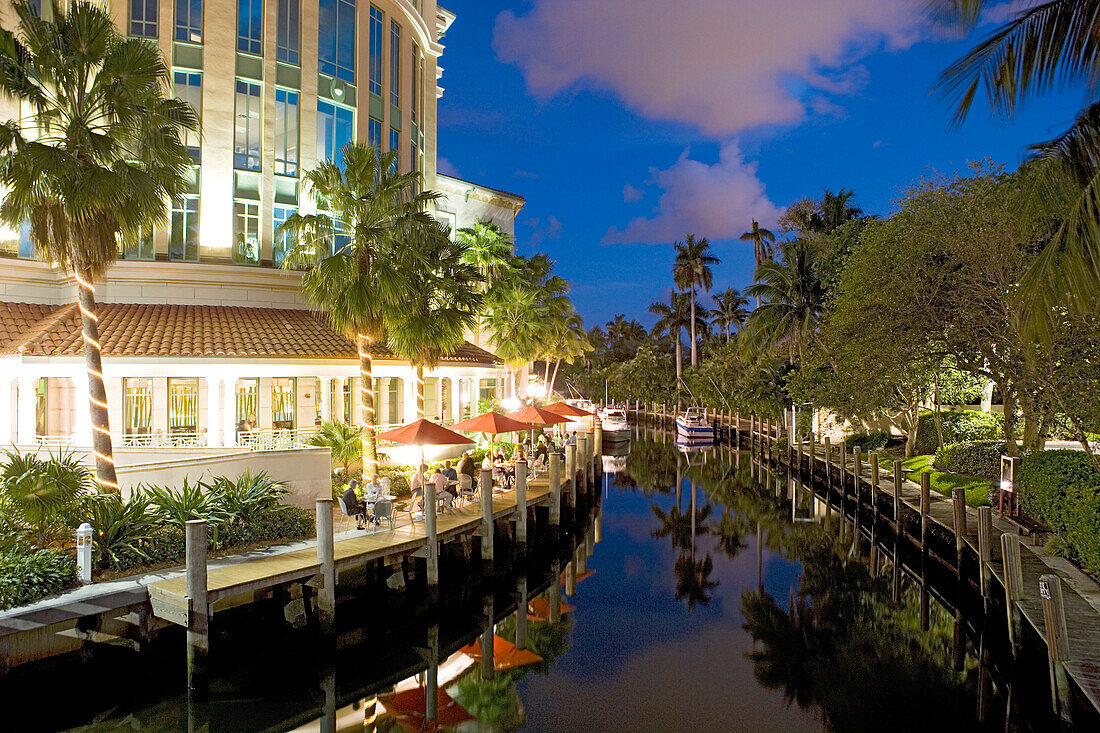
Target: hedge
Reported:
point(972, 457)
point(958, 426)
point(26, 577)
point(1062, 488)
point(874, 440)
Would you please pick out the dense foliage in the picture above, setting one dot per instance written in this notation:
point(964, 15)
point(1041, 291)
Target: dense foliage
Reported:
point(972, 457)
point(1063, 489)
point(29, 575)
point(956, 427)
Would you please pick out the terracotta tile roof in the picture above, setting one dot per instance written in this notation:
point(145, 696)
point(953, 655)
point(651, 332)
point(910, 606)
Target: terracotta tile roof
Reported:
point(132, 329)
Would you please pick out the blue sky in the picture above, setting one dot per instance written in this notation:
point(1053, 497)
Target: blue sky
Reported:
point(627, 125)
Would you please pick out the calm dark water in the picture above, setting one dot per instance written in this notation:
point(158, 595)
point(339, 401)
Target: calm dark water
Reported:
point(706, 608)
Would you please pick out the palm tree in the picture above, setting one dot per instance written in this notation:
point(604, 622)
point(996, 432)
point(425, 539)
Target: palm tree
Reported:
point(490, 249)
point(344, 441)
point(1043, 47)
point(441, 302)
point(761, 239)
point(354, 250)
point(835, 210)
point(691, 270)
point(730, 311)
point(671, 320)
point(515, 317)
point(94, 161)
point(566, 341)
point(793, 299)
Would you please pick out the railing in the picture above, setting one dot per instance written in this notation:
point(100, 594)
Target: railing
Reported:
point(165, 440)
point(275, 438)
point(53, 441)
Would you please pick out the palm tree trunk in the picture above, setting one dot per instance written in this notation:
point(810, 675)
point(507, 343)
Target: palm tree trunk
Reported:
point(553, 380)
point(366, 398)
point(679, 360)
point(694, 355)
point(419, 392)
point(97, 390)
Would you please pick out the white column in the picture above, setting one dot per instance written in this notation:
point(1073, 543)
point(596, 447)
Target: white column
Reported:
point(326, 398)
point(5, 410)
point(356, 417)
point(408, 409)
point(213, 422)
point(456, 399)
point(229, 412)
point(26, 410)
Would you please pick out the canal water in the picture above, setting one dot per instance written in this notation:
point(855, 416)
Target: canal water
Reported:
point(707, 604)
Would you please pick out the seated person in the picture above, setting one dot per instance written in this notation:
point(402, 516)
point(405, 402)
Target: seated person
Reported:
point(441, 490)
point(467, 466)
point(450, 473)
point(541, 449)
point(355, 507)
point(417, 484)
point(501, 474)
point(373, 487)
point(519, 454)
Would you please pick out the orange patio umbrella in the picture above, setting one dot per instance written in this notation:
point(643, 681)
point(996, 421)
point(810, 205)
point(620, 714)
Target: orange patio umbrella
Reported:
point(538, 609)
point(409, 709)
point(538, 416)
point(567, 410)
point(421, 433)
point(492, 423)
point(506, 655)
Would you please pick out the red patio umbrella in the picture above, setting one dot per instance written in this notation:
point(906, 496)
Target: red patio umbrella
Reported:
point(423, 432)
point(409, 708)
point(566, 409)
point(538, 416)
point(506, 655)
point(492, 423)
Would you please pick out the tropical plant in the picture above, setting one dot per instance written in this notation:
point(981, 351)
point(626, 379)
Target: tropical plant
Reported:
point(490, 249)
point(761, 239)
point(793, 300)
point(730, 313)
point(354, 250)
point(836, 210)
point(190, 501)
point(343, 440)
point(41, 500)
point(567, 341)
point(95, 159)
point(122, 530)
point(516, 319)
point(692, 270)
point(26, 577)
point(247, 499)
point(671, 320)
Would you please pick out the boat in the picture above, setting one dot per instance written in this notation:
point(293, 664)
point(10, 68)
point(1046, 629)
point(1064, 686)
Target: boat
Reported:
point(615, 424)
point(688, 446)
point(614, 464)
point(693, 423)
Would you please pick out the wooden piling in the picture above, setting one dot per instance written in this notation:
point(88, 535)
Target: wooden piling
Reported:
point(597, 441)
point(431, 509)
point(958, 505)
point(326, 556)
point(898, 478)
point(985, 546)
point(570, 578)
point(580, 559)
point(555, 489)
point(521, 612)
point(571, 472)
point(1014, 588)
point(582, 459)
point(555, 592)
point(521, 501)
point(198, 621)
point(597, 527)
point(487, 515)
point(925, 505)
point(1054, 619)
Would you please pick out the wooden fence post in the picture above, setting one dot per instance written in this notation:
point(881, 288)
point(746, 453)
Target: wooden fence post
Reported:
point(487, 515)
point(925, 501)
point(198, 620)
point(958, 505)
point(1014, 588)
point(1054, 618)
point(571, 472)
point(326, 556)
point(521, 501)
point(555, 489)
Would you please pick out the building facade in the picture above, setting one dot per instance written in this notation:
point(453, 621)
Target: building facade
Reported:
point(202, 331)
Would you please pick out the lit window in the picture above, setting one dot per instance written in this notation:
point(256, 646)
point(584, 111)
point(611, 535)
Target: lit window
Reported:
point(183, 406)
point(246, 132)
point(283, 402)
point(143, 18)
point(246, 232)
point(415, 104)
point(250, 26)
point(184, 242)
point(336, 38)
point(288, 36)
point(395, 64)
point(189, 21)
point(284, 241)
point(137, 407)
point(375, 51)
point(188, 87)
point(374, 135)
point(286, 132)
point(335, 129)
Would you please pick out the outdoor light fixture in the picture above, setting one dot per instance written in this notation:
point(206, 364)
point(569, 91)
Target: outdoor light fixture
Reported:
point(510, 403)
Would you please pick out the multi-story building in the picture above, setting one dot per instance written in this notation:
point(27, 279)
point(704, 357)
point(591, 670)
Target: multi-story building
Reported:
point(200, 329)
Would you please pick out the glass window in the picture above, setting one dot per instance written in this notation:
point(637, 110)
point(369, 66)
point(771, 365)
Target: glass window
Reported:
point(248, 399)
point(374, 134)
point(414, 157)
point(183, 406)
point(395, 64)
point(335, 129)
point(395, 145)
point(415, 104)
point(142, 249)
point(336, 38)
point(137, 406)
point(284, 241)
point(246, 232)
point(396, 397)
point(286, 132)
point(188, 87)
point(375, 51)
point(250, 26)
point(143, 18)
point(189, 21)
point(184, 242)
point(283, 406)
point(288, 36)
point(246, 132)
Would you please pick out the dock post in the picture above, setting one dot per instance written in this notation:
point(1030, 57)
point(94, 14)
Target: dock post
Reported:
point(925, 505)
point(597, 527)
point(958, 504)
point(521, 612)
point(487, 667)
point(597, 443)
point(985, 546)
point(555, 591)
point(570, 578)
point(829, 465)
point(582, 460)
point(555, 489)
point(590, 540)
point(431, 692)
point(326, 594)
point(1054, 618)
point(431, 508)
point(1014, 588)
point(198, 621)
point(521, 501)
point(571, 472)
point(487, 516)
point(580, 559)
point(898, 478)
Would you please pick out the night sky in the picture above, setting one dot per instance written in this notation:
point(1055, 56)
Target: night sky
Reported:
point(626, 125)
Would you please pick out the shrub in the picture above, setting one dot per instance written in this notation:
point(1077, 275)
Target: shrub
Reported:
point(290, 522)
point(875, 440)
point(248, 499)
point(42, 500)
point(958, 426)
point(190, 501)
point(972, 458)
point(399, 480)
point(122, 529)
point(26, 577)
point(1063, 489)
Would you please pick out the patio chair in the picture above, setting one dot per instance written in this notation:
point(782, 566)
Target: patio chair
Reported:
point(410, 507)
point(347, 513)
point(383, 511)
point(466, 488)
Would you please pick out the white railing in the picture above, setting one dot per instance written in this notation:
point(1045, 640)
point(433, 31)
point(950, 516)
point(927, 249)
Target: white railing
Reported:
point(53, 441)
point(165, 440)
point(275, 438)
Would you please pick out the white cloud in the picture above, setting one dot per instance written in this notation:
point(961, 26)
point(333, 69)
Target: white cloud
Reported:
point(715, 201)
point(632, 194)
point(720, 65)
point(446, 167)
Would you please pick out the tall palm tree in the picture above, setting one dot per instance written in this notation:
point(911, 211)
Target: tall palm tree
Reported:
point(441, 301)
point(691, 270)
point(355, 253)
point(566, 341)
point(836, 210)
point(761, 239)
point(491, 250)
point(1043, 47)
point(730, 312)
point(93, 162)
point(516, 318)
point(672, 319)
point(793, 299)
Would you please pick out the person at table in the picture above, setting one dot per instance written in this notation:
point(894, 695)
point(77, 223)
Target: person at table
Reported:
point(519, 453)
point(467, 466)
point(442, 491)
point(500, 470)
point(541, 450)
point(355, 507)
point(417, 484)
point(450, 473)
point(373, 488)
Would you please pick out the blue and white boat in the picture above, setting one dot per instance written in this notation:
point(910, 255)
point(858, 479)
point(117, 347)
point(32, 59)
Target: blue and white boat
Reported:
point(693, 423)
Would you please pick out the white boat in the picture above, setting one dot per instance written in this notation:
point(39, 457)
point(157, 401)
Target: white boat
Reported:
point(615, 424)
point(614, 464)
point(693, 423)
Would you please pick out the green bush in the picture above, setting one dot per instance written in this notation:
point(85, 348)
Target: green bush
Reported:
point(958, 426)
point(399, 480)
point(1063, 490)
point(122, 530)
point(248, 499)
point(26, 577)
point(290, 522)
point(42, 500)
point(972, 458)
point(875, 440)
